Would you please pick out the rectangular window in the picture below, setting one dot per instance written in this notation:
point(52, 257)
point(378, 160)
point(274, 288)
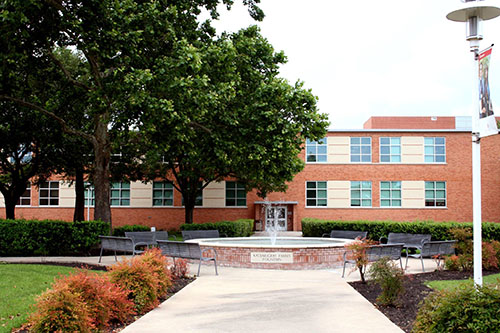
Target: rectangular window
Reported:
point(89, 195)
point(120, 194)
point(316, 194)
point(25, 199)
point(361, 194)
point(361, 150)
point(390, 150)
point(316, 150)
point(435, 194)
point(390, 194)
point(49, 194)
point(435, 150)
point(236, 195)
point(163, 194)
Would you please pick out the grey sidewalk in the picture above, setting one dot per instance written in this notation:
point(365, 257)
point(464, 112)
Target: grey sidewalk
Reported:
point(250, 300)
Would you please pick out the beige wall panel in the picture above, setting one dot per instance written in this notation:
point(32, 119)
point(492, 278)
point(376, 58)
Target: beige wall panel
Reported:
point(412, 149)
point(66, 195)
point(413, 194)
point(338, 194)
point(338, 149)
point(141, 195)
point(2, 202)
point(214, 195)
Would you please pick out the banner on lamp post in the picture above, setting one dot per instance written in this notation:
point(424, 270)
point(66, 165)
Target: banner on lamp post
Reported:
point(487, 121)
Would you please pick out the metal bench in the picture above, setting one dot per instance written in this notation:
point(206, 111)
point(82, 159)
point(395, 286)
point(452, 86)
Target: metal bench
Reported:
point(410, 241)
point(195, 234)
point(377, 252)
point(434, 249)
point(122, 244)
point(347, 234)
point(185, 250)
point(147, 237)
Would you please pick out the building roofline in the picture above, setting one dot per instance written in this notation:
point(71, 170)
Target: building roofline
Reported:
point(404, 130)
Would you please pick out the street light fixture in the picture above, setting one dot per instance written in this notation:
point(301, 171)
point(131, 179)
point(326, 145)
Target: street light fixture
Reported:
point(474, 12)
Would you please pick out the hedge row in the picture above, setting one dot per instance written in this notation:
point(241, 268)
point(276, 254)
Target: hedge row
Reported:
point(120, 231)
point(238, 228)
point(49, 237)
point(439, 230)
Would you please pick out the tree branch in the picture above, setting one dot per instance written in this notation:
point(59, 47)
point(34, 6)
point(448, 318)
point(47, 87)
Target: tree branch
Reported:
point(66, 128)
point(68, 74)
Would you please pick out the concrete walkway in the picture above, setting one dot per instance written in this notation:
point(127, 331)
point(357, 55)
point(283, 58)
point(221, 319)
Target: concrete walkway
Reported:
point(250, 300)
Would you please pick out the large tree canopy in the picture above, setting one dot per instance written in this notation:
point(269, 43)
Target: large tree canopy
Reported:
point(131, 48)
point(251, 123)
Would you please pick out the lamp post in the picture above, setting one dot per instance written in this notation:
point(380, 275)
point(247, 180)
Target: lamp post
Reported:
point(474, 12)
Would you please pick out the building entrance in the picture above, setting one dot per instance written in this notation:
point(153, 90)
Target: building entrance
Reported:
point(276, 218)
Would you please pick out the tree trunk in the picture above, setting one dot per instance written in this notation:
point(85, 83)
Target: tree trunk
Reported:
point(188, 210)
point(102, 153)
point(10, 207)
point(79, 213)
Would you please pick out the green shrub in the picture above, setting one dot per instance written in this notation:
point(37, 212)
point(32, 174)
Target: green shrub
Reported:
point(49, 237)
point(136, 276)
point(158, 265)
point(460, 310)
point(238, 228)
point(120, 231)
point(389, 277)
point(60, 310)
point(180, 269)
point(376, 229)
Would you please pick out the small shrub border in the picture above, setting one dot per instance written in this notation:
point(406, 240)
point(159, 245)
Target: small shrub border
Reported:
point(49, 237)
point(120, 231)
point(238, 228)
point(312, 227)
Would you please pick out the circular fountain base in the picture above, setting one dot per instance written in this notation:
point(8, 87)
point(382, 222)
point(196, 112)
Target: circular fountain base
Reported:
point(288, 252)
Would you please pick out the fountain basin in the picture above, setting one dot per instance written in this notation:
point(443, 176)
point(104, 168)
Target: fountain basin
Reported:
point(288, 252)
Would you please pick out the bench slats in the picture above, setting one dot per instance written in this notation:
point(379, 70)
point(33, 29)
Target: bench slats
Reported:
point(186, 250)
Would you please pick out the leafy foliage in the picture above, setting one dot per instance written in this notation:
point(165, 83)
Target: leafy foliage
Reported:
point(49, 237)
point(356, 251)
point(389, 277)
point(180, 269)
point(158, 266)
point(238, 228)
point(466, 309)
point(120, 231)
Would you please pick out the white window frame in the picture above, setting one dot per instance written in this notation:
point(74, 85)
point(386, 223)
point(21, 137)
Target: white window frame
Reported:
point(120, 190)
point(163, 190)
point(392, 200)
point(360, 145)
point(238, 188)
point(50, 196)
point(434, 155)
point(23, 197)
point(390, 145)
point(316, 190)
point(312, 148)
point(435, 191)
point(361, 190)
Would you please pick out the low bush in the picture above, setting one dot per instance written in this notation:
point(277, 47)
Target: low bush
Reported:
point(49, 237)
point(120, 231)
point(356, 251)
point(180, 269)
point(136, 276)
point(390, 279)
point(465, 309)
point(61, 310)
point(238, 228)
point(158, 265)
point(312, 227)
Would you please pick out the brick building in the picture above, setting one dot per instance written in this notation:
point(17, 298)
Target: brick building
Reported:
point(395, 168)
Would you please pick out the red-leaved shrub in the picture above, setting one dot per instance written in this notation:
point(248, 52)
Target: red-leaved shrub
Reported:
point(179, 269)
point(158, 265)
point(60, 310)
point(136, 276)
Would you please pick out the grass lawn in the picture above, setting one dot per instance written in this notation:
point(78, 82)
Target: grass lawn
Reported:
point(453, 284)
point(19, 285)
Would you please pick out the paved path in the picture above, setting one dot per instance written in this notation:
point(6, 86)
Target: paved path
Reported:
point(250, 300)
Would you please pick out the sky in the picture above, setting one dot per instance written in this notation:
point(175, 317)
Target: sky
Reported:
point(375, 58)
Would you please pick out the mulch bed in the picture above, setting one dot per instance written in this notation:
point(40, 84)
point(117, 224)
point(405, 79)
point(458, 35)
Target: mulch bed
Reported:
point(415, 292)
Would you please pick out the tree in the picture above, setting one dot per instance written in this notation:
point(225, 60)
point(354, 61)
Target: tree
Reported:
point(252, 124)
point(129, 48)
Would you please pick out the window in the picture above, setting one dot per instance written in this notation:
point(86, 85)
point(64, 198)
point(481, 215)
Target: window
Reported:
point(49, 194)
point(435, 194)
point(361, 194)
point(390, 150)
point(236, 195)
point(316, 150)
point(25, 199)
point(316, 194)
point(390, 194)
point(120, 194)
point(89, 195)
point(163, 194)
point(361, 149)
point(435, 151)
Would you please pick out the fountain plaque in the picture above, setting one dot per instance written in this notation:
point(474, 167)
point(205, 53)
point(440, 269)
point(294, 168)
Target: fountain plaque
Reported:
point(272, 257)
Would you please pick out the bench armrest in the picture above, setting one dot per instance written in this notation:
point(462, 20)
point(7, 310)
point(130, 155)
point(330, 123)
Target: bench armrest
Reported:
point(325, 235)
point(383, 240)
point(222, 234)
